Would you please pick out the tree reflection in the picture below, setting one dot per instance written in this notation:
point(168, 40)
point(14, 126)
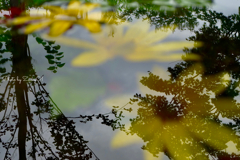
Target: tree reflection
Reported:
point(22, 122)
point(184, 126)
point(187, 123)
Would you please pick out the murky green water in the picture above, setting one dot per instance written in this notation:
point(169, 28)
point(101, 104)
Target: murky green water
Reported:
point(119, 80)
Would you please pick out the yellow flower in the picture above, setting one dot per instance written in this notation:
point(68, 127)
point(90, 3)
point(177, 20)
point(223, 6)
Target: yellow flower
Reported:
point(60, 20)
point(181, 136)
point(134, 42)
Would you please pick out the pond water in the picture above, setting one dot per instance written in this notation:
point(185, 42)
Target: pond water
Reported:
point(120, 79)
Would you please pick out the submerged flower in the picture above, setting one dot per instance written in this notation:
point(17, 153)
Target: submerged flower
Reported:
point(60, 20)
point(181, 128)
point(134, 42)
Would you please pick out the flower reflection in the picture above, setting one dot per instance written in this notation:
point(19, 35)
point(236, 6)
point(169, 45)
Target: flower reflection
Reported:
point(134, 42)
point(185, 126)
point(60, 20)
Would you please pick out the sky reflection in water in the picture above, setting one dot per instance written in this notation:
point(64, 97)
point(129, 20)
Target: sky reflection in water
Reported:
point(178, 107)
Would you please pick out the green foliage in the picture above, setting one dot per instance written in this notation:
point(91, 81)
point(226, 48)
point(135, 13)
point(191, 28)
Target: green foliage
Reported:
point(54, 56)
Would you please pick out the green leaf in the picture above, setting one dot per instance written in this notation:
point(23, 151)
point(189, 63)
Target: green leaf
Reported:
point(2, 70)
point(57, 47)
point(51, 68)
point(59, 54)
point(51, 42)
point(47, 48)
point(58, 58)
point(2, 61)
point(51, 61)
point(39, 40)
point(49, 56)
point(52, 51)
point(60, 65)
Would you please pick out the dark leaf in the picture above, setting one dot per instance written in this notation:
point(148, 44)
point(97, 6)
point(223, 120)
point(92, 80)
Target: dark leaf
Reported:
point(51, 68)
point(49, 56)
point(61, 65)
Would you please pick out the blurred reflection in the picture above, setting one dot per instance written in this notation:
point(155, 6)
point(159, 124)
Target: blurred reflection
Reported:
point(23, 123)
point(199, 114)
point(133, 41)
point(60, 20)
point(183, 124)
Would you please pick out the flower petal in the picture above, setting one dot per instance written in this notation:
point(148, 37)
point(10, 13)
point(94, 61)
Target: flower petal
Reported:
point(90, 59)
point(214, 134)
point(156, 36)
point(121, 139)
point(54, 9)
point(22, 20)
point(92, 26)
point(36, 26)
point(171, 46)
point(59, 27)
point(149, 156)
point(71, 42)
point(76, 7)
point(180, 143)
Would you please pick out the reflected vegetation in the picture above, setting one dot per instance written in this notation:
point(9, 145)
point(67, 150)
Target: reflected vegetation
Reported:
point(183, 118)
point(22, 120)
point(187, 123)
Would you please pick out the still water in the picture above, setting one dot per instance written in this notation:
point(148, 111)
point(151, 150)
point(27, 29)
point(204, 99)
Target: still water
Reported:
point(120, 80)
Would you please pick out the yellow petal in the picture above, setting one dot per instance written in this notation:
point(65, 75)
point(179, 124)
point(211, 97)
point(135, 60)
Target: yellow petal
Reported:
point(137, 30)
point(179, 142)
point(149, 156)
point(156, 36)
point(197, 68)
point(39, 12)
point(86, 7)
point(212, 133)
point(59, 27)
point(226, 106)
point(191, 57)
point(110, 18)
point(54, 9)
point(22, 20)
point(71, 42)
point(121, 139)
point(95, 16)
point(139, 57)
point(157, 70)
point(171, 46)
point(76, 7)
point(156, 57)
point(92, 26)
point(90, 59)
point(36, 26)
point(217, 83)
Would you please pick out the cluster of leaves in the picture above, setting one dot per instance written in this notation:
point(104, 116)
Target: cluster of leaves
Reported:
point(54, 56)
point(154, 4)
point(68, 142)
point(190, 125)
point(5, 48)
point(175, 118)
